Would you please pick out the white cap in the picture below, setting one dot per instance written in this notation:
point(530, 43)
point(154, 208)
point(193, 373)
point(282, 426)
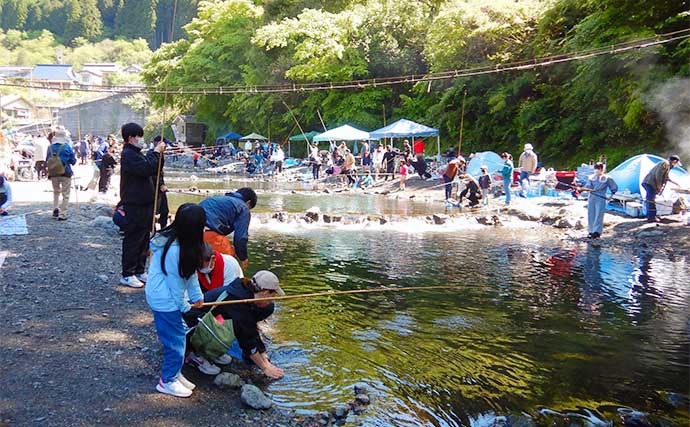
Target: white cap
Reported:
point(265, 280)
point(528, 147)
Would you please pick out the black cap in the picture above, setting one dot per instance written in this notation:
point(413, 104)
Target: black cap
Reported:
point(674, 157)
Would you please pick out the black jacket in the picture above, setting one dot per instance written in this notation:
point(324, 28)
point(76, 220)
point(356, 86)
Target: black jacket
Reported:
point(244, 316)
point(108, 161)
point(138, 176)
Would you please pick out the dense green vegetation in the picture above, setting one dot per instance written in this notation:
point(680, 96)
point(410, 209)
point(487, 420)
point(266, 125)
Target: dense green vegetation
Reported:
point(571, 112)
point(94, 20)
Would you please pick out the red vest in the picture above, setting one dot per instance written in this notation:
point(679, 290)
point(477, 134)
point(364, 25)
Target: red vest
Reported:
point(217, 275)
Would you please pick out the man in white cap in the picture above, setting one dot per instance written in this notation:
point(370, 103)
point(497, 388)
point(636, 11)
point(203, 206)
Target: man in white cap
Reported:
point(528, 165)
point(245, 318)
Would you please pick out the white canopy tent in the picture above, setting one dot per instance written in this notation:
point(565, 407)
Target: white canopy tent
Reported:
point(343, 133)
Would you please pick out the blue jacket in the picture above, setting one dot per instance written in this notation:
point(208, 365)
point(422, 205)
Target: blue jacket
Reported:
point(169, 292)
point(228, 214)
point(66, 155)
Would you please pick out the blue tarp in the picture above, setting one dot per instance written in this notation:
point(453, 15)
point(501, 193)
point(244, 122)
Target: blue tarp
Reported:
point(486, 158)
point(232, 136)
point(403, 128)
point(630, 174)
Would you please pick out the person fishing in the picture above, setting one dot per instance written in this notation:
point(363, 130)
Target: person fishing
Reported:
point(507, 174)
point(471, 190)
point(598, 184)
point(451, 172)
point(230, 214)
point(245, 316)
point(655, 181)
point(173, 289)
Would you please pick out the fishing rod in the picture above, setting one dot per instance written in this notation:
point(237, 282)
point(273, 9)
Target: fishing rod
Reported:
point(327, 294)
point(591, 191)
point(13, 216)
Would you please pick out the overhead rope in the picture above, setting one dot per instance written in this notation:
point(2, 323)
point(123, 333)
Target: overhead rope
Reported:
point(529, 64)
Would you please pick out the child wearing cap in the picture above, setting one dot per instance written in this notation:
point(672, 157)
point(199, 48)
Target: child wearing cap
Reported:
point(485, 185)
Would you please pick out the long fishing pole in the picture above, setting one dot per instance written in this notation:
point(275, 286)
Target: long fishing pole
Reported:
point(327, 294)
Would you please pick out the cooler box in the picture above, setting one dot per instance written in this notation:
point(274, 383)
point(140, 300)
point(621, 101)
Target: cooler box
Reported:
point(565, 179)
point(633, 209)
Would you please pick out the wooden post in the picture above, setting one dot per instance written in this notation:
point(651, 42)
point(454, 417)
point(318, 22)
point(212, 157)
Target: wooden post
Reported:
point(462, 120)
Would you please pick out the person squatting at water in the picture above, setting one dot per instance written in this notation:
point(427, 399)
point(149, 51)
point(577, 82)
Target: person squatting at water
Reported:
point(472, 188)
point(137, 192)
point(244, 317)
point(598, 184)
point(654, 184)
point(172, 285)
point(230, 214)
point(5, 195)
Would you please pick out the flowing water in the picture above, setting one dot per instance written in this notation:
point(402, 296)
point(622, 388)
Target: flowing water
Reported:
point(569, 333)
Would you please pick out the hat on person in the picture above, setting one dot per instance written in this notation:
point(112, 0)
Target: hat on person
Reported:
point(484, 168)
point(265, 280)
point(528, 147)
point(60, 135)
point(676, 158)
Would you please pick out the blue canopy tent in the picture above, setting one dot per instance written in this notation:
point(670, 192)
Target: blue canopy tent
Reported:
point(404, 128)
point(486, 158)
point(630, 174)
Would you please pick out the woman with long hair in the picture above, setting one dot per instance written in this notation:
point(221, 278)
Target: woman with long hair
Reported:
point(173, 289)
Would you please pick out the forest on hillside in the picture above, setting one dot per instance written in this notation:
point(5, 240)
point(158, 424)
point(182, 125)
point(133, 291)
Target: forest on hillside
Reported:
point(572, 112)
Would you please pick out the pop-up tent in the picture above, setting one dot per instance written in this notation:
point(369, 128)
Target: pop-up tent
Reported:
point(301, 137)
point(404, 128)
point(486, 158)
point(253, 137)
point(343, 133)
point(630, 174)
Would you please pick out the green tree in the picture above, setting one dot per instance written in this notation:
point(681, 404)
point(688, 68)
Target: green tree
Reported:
point(136, 19)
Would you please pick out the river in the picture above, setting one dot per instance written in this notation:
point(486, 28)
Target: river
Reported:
point(569, 333)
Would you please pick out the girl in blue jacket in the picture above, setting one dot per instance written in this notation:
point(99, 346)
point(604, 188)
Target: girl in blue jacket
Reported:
point(172, 285)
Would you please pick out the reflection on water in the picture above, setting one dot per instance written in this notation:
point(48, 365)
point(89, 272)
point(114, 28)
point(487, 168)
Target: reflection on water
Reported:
point(574, 334)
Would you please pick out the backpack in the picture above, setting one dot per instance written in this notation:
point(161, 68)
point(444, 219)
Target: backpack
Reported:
point(54, 163)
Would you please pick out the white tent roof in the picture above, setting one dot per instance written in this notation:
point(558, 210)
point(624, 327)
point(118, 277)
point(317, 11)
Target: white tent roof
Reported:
point(343, 133)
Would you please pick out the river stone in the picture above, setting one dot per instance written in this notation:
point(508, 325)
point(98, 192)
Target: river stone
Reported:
point(497, 220)
point(373, 218)
point(227, 379)
point(361, 388)
point(564, 223)
point(383, 221)
point(521, 421)
point(484, 220)
point(254, 398)
point(341, 411)
point(363, 398)
point(313, 213)
point(579, 225)
point(280, 216)
point(645, 234)
point(440, 219)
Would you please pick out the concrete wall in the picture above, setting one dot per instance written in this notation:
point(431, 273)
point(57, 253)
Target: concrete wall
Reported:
point(100, 117)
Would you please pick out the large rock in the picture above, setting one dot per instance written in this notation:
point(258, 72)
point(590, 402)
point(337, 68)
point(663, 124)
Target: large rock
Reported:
point(361, 388)
point(565, 223)
point(280, 216)
point(254, 398)
point(313, 214)
point(331, 218)
point(440, 219)
point(227, 379)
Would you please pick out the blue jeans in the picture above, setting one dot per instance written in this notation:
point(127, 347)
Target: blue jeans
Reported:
point(506, 188)
point(448, 187)
point(524, 176)
point(171, 331)
point(649, 199)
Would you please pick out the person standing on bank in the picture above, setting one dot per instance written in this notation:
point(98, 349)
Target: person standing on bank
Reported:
point(654, 184)
point(106, 168)
point(507, 175)
point(162, 210)
point(527, 163)
point(137, 191)
point(59, 160)
point(598, 184)
point(230, 214)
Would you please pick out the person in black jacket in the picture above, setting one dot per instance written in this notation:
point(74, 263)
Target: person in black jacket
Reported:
point(162, 210)
point(106, 167)
point(137, 188)
point(264, 284)
point(389, 163)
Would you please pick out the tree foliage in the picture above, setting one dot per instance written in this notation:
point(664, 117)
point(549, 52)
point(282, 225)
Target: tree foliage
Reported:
point(571, 112)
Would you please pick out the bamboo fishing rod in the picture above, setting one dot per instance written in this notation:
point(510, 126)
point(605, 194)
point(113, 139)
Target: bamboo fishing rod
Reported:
point(327, 294)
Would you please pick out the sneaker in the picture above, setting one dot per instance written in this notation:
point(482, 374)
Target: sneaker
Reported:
point(142, 277)
point(203, 365)
point(173, 388)
point(224, 359)
point(185, 382)
point(132, 282)
point(56, 213)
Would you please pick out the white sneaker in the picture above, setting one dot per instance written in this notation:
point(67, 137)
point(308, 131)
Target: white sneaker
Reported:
point(132, 282)
point(203, 365)
point(173, 388)
point(142, 277)
point(224, 359)
point(185, 382)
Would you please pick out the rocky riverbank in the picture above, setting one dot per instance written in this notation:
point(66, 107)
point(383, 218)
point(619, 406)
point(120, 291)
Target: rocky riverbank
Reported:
point(80, 350)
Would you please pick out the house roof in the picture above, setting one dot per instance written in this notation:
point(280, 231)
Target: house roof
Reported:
point(11, 99)
point(54, 72)
point(102, 67)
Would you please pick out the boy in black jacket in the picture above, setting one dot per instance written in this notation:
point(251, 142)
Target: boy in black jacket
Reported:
point(137, 188)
